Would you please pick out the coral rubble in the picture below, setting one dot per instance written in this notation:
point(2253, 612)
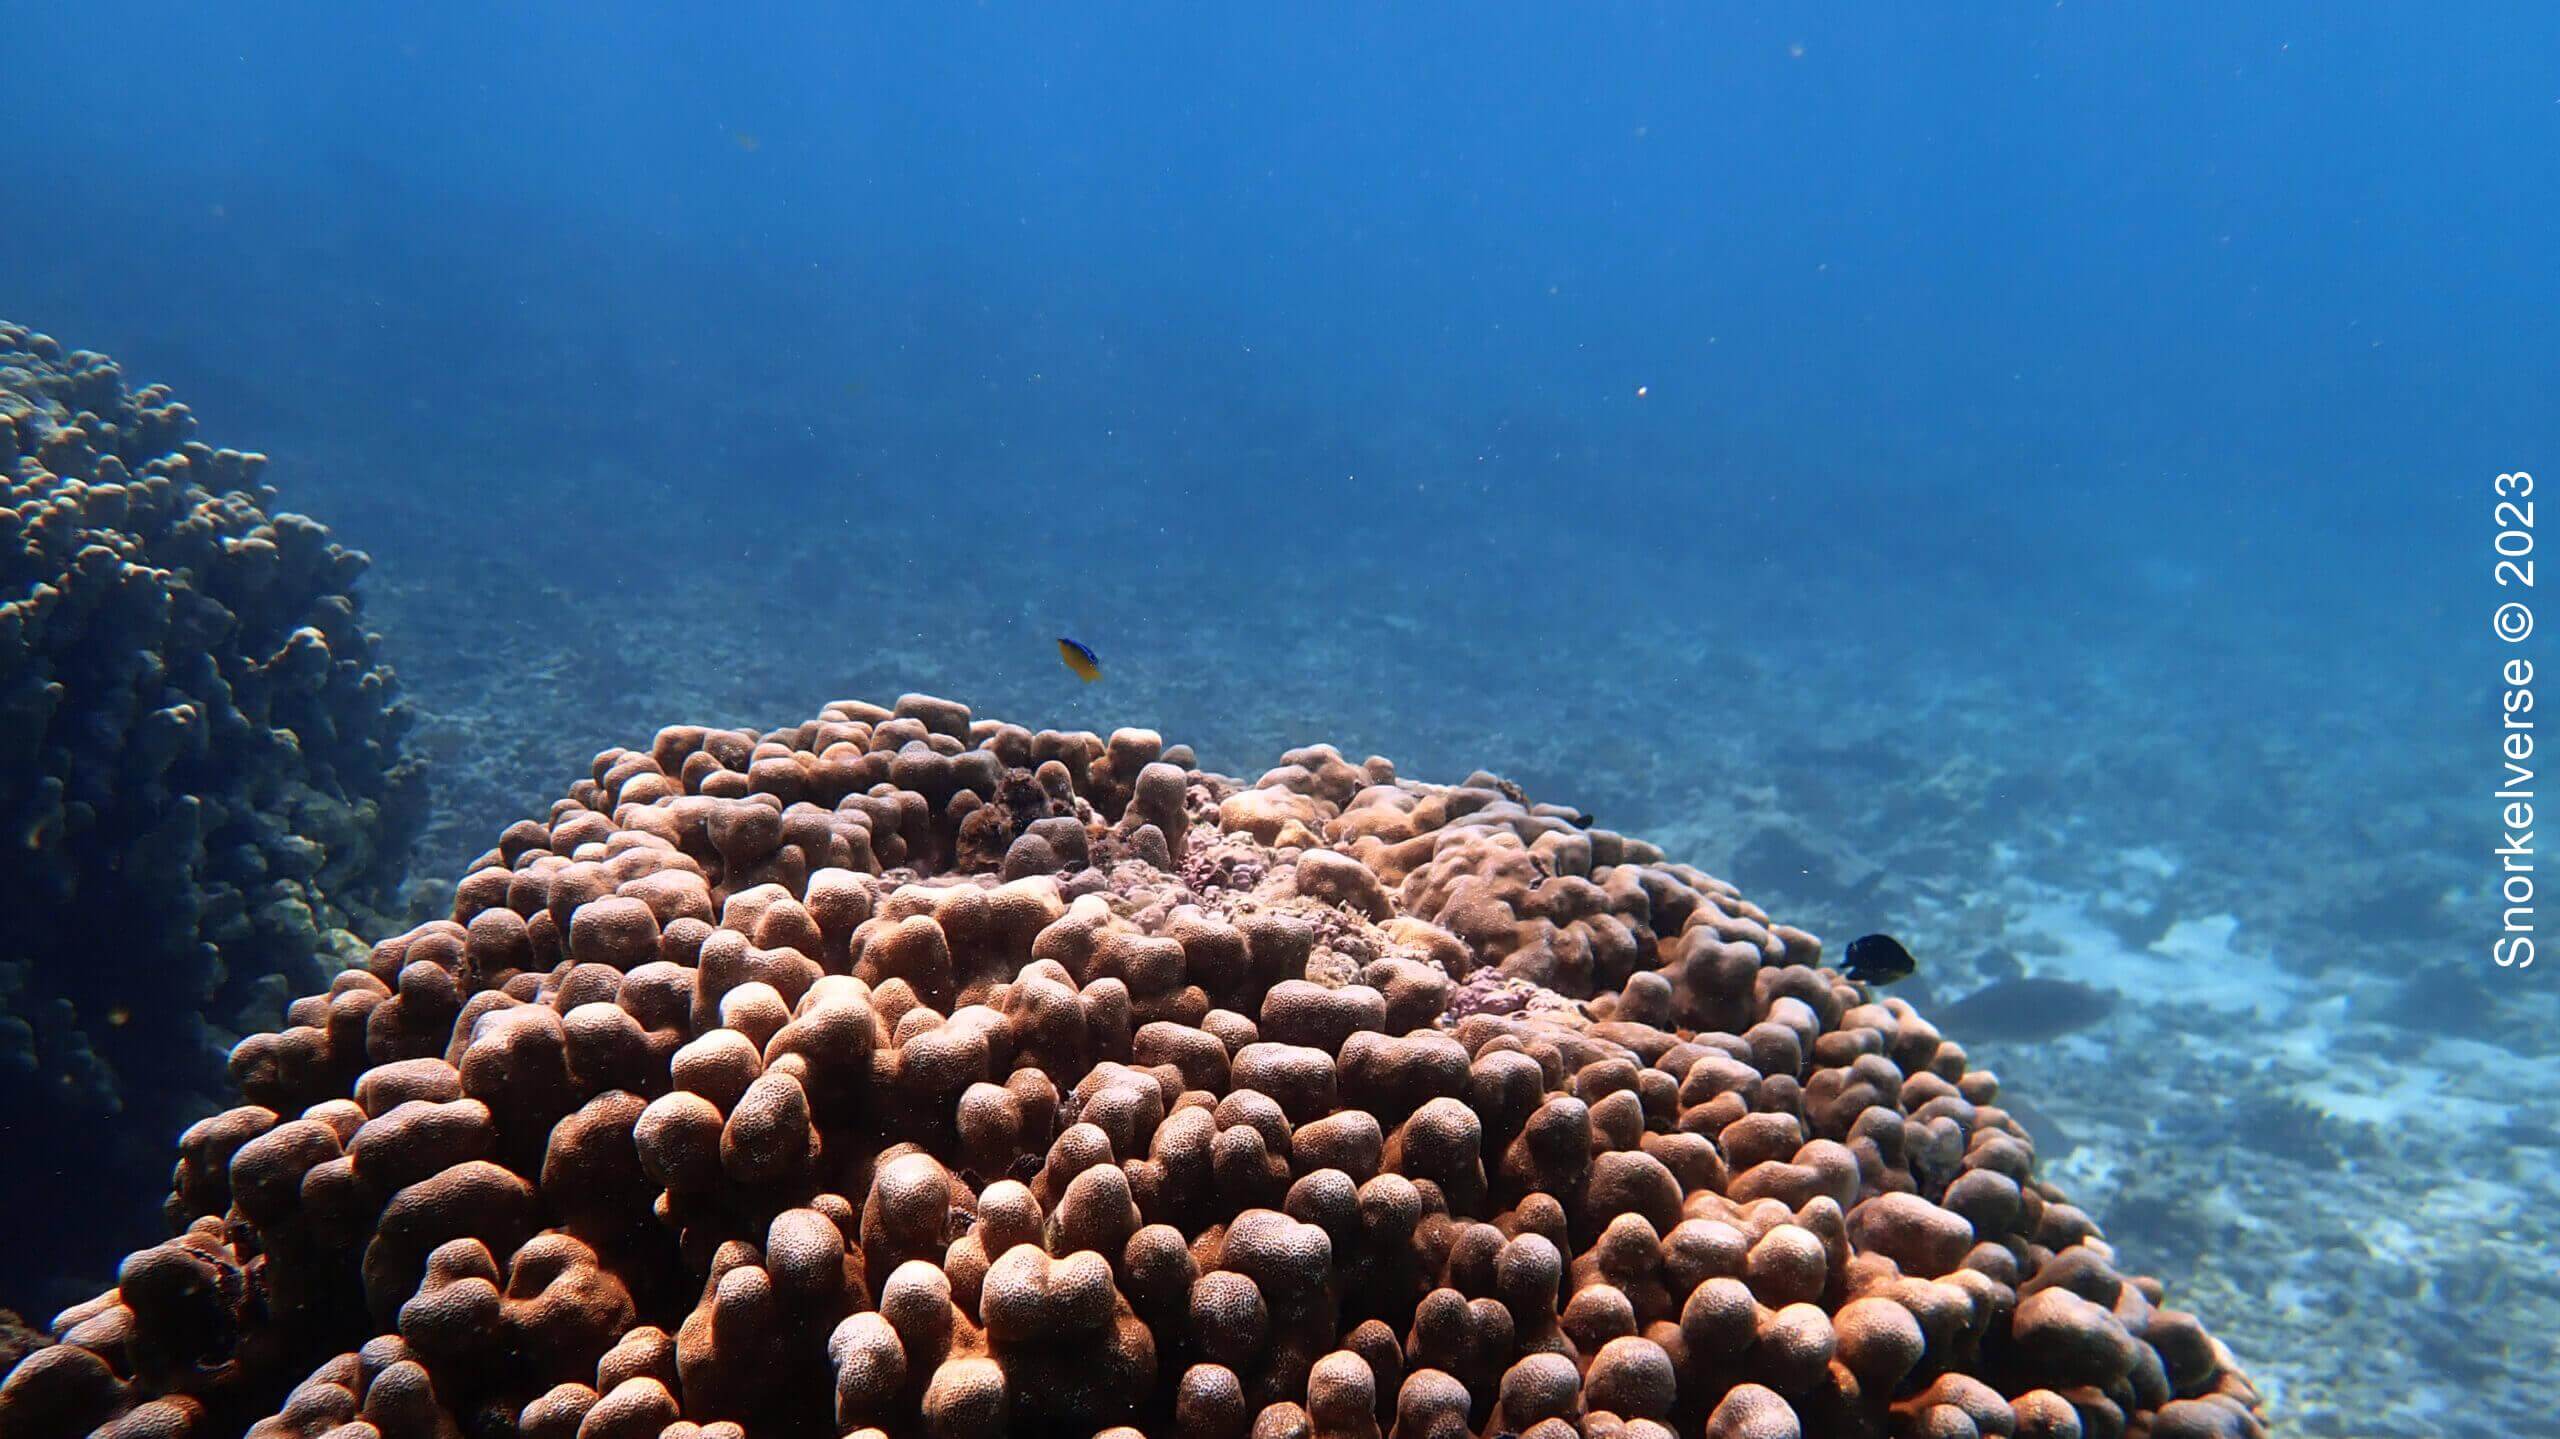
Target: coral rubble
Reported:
point(908, 1073)
point(202, 786)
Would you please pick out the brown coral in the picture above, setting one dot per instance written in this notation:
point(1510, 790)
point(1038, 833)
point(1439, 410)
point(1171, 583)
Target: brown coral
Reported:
point(892, 1074)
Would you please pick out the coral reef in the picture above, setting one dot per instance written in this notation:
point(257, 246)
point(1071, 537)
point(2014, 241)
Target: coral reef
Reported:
point(904, 1072)
point(202, 786)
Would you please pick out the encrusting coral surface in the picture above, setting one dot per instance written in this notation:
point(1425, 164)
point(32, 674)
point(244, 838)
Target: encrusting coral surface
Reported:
point(908, 1073)
point(202, 785)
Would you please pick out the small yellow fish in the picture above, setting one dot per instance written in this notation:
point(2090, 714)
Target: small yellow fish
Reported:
point(745, 141)
point(1086, 664)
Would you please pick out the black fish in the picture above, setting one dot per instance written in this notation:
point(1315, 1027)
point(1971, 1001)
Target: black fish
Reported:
point(2027, 1008)
point(1878, 959)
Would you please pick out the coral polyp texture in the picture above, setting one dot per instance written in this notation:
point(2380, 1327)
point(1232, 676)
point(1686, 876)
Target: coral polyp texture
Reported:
point(201, 781)
point(908, 1073)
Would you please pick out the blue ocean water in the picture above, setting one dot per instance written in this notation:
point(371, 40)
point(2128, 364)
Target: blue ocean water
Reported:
point(2020, 478)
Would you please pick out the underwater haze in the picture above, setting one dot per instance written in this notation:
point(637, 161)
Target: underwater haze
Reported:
point(2019, 479)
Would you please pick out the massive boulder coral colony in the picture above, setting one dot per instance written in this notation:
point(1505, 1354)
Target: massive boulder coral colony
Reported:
point(902, 1072)
point(204, 786)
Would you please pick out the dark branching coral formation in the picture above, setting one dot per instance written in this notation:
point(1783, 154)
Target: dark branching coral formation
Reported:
point(904, 1073)
point(201, 779)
